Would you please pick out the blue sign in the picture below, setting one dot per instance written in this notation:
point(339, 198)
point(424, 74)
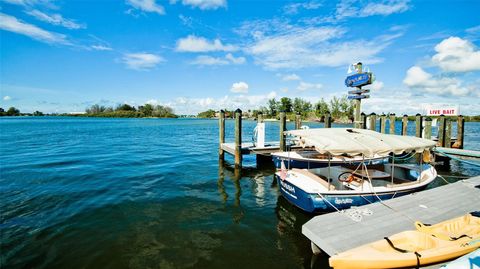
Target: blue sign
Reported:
point(359, 91)
point(358, 96)
point(358, 80)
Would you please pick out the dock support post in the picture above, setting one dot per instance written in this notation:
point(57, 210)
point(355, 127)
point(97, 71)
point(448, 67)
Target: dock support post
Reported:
point(238, 138)
point(405, 124)
point(283, 124)
point(373, 121)
point(460, 131)
point(428, 128)
point(298, 121)
point(383, 122)
point(392, 123)
point(259, 117)
point(327, 120)
point(418, 125)
point(363, 118)
point(448, 133)
point(441, 131)
point(221, 134)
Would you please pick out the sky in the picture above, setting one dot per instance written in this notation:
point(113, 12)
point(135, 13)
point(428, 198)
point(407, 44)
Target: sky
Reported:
point(192, 55)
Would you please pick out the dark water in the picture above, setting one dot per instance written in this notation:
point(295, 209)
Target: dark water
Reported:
point(145, 193)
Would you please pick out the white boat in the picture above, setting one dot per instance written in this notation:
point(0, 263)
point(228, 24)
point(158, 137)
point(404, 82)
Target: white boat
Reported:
point(340, 187)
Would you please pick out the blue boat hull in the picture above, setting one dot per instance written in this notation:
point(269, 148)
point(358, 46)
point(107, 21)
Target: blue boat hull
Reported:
point(295, 163)
point(314, 203)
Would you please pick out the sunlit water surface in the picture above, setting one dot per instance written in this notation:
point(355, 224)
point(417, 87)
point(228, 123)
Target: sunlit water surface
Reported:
point(147, 193)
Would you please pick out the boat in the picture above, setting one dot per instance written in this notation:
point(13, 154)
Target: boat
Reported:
point(440, 242)
point(353, 184)
point(470, 260)
point(313, 159)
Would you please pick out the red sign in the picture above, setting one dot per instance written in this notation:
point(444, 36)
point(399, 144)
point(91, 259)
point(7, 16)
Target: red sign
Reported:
point(442, 110)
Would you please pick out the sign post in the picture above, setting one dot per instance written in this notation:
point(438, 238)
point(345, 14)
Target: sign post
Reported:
point(358, 80)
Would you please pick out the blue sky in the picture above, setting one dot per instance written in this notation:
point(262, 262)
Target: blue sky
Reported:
point(63, 56)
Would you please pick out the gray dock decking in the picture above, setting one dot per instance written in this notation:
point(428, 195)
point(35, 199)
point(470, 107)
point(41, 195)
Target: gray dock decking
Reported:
point(249, 148)
point(335, 232)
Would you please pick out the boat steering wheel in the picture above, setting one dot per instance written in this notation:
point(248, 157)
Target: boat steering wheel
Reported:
point(346, 177)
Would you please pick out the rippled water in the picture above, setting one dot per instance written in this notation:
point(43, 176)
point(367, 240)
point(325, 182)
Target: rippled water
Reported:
point(145, 193)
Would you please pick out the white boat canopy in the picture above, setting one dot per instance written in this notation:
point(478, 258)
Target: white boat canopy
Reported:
point(352, 142)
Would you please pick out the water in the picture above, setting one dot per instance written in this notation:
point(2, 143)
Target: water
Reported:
point(145, 193)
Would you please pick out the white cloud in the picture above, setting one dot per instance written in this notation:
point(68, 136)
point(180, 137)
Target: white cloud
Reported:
point(7, 98)
point(290, 77)
point(299, 47)
point(12, 24)
point(376, 85)
point(239, 87)
point(55, 19)
point(235, 60)
point(184, 105)
point(295, 7)
point(193, 43)
point(141, 61)
point(209, 60)
point(303, 86)
point(147, 6)
point(356, 8)
point(101, 47)
point(419, 79)
point(457, 55)
point(205, 4)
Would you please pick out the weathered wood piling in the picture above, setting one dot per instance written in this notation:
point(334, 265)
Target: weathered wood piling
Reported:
point(238, 138)
point(327, 120)
point(383, 123)
point(221, 135)
point(373, 121)
point(392, 123)
point(460, 130)
point(283, 128)
point(428, 128)
point(441, 131)
point(418, 125)
point(404, 124)
point(298, 121)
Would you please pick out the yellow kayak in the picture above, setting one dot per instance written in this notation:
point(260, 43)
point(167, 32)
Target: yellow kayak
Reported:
point(426, 245)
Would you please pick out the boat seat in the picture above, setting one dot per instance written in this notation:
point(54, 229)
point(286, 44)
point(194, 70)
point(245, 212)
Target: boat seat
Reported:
point(314, 177)
point(373, 173)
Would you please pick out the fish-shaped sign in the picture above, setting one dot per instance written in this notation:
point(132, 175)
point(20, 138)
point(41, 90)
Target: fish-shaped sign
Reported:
point(358, 80)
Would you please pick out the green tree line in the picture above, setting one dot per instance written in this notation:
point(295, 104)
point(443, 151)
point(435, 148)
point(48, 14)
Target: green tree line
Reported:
point(127, 111)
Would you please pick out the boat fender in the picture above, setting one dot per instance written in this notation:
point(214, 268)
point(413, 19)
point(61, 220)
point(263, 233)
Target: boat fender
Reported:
point(404, 251)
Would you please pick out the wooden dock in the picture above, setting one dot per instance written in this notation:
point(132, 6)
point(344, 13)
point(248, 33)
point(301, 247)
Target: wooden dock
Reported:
point(336, 232)
point(250, 148)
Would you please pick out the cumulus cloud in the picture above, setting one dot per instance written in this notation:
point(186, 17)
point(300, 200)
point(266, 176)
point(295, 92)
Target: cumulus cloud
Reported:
point(141, 61)
point(239, 87)
point(457, 55)
point(303, 86)
point(193, 43)
point(291, 77)
point(7, 98)
point(235, 60)
point(12, 24)
point(376, 85)
point(147, 6)
point(55, 19)
point(203, 4)
point(419, 79)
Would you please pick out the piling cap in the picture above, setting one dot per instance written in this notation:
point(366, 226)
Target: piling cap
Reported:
point(238, 110)
point(327, 112)
point(418, 114)
point(372, 114)
point(260, 113)
point(363, 114)
point(392, 114)
point(222, 111)
point(405, 115)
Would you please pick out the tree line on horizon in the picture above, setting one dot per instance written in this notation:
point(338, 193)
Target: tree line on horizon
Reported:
point(128, 111)
point(341, 109)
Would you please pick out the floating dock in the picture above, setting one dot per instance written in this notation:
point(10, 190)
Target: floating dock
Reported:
point(336, 232)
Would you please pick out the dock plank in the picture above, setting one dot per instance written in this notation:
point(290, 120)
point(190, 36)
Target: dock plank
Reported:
point(336, 232)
